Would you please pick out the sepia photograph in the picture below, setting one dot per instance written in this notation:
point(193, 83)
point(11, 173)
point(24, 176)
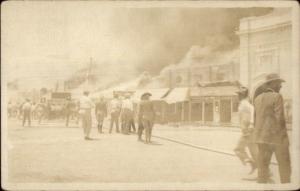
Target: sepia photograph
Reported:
point(150, 95)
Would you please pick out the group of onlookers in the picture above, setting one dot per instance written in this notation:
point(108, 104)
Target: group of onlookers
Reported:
point(262, 122)
point(27, 111)
point(122, 112)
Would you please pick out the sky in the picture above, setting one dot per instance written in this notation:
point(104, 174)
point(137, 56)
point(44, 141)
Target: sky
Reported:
point(42, 42)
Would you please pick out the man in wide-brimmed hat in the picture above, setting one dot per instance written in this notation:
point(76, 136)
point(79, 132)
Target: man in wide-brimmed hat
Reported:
point(146, 116)
point(246, 118)
point(270, 131)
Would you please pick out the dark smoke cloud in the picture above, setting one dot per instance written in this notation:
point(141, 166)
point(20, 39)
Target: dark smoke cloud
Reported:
point(162, 36)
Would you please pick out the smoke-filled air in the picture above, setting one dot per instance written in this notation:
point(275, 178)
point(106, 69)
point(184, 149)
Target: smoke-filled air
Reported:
point(63, 42)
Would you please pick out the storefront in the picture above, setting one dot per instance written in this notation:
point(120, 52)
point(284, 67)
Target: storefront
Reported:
point(214, 105)
point(177, 108)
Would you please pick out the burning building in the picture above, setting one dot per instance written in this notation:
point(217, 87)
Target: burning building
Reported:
point(204, 67)
point(203, 87)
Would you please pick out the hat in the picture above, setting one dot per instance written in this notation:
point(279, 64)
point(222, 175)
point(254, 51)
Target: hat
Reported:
point(146, 94)
point(242, 90)
point(273, 77)
point(260, 81)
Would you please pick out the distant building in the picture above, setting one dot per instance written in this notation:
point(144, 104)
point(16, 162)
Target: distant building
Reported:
point(265, 46)
point(203, 88)
point(195, 70)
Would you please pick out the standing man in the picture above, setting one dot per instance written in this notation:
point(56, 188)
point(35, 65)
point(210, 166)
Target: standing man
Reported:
point(26, 108)
point(41, 110)
point(139, 121)
point(127, 114)
point(85, 110)
point(33, 111)
point(270, 131)
point(20, 110)
point(146, 116)
point(101, 113)
point(115, 109)
point(246, 118)
point(68, 110)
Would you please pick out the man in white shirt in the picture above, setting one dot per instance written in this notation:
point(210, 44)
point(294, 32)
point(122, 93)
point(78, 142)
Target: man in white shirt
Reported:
point(114, 110)
point(85, 110)
point(26, 108)
point(127, 114)
point(246, 116)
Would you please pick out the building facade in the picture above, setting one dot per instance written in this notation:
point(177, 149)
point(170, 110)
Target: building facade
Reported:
point(193, 73)
point(203, 91)
point(265, 47)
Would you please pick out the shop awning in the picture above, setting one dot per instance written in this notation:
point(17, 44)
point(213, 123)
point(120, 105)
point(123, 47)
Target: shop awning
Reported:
point(177, 95)
point(123, 87)
point(214, 91)
point(157, 94)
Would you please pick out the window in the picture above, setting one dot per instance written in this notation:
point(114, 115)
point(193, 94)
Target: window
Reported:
point(220, 76)
point(178, 79)
point(266, 61)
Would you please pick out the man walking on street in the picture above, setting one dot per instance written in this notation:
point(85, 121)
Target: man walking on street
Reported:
point(146, 116)
point(270, 131)
point(115, 109)
point(26, 109)
point(101, 113)
point(246, 115)
point(85, 110)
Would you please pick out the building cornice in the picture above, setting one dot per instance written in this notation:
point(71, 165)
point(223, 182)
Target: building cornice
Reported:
point(256, 30)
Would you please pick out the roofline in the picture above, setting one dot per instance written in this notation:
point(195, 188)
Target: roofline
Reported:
point(285, 24)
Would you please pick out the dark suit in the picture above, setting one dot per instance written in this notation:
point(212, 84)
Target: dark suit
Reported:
point(270, 134)
point(101, 113)
point(146, 115)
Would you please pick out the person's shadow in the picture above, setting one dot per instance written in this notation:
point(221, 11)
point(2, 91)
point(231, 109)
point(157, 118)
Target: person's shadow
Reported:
point(93, 139)
point(154, 143)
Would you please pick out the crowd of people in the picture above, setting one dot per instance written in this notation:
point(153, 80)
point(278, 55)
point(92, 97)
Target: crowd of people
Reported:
point(122, 113)
point(261, 117)
point(39, 111)
point(27, 111)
